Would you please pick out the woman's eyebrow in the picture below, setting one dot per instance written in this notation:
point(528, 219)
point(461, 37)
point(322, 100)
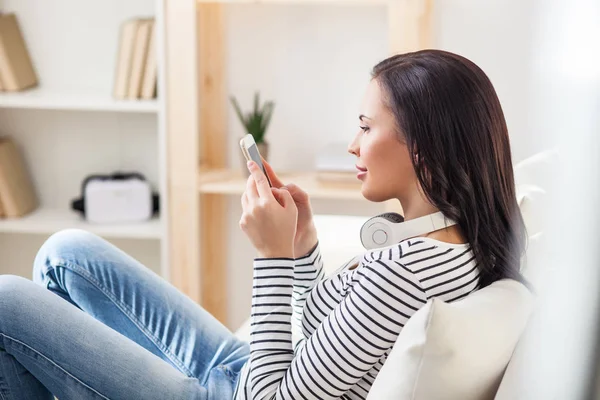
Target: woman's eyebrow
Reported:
point(361, 117)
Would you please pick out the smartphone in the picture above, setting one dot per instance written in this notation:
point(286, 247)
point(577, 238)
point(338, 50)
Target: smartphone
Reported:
point(250, 150)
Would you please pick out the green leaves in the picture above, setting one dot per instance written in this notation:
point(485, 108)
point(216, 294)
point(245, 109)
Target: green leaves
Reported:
point(257, 121)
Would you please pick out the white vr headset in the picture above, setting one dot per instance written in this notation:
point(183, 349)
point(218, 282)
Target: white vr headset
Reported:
point(387, 229)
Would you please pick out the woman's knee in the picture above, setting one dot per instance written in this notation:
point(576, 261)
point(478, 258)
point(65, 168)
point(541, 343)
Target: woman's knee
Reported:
point(14, 292)
point(64, 247)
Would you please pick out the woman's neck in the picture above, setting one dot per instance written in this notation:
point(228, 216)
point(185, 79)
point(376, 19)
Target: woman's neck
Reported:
point(416, 205)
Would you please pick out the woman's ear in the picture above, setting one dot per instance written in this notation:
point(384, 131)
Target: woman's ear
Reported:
point(416, 158)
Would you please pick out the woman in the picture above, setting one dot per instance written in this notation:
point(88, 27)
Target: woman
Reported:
point(432, 135)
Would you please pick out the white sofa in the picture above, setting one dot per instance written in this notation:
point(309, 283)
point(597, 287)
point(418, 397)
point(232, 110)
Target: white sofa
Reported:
point(458, 350)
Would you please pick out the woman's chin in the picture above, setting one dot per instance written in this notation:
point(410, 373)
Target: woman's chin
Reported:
point(368, 194)
point(373, 195)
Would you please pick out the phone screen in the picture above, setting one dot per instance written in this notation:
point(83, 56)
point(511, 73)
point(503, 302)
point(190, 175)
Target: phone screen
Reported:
point(253, 153)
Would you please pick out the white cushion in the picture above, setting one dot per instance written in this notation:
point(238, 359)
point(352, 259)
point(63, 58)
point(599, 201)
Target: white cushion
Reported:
point(457, 350)
point(510, 388)
point(539, 169)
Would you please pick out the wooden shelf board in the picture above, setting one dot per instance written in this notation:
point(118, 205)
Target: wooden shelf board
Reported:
point(42, 99)
point(233, 182)
point(296, 1)
point(48, 221)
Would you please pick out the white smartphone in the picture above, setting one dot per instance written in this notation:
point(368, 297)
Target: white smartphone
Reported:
point(251, 153)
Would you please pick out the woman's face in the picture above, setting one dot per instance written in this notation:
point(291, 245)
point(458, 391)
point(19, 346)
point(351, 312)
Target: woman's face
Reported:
point(383, 162)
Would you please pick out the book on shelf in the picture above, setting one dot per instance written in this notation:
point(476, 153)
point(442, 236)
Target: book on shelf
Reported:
point(17, 194)
point(134, 66)
point(150, 71)
point(138, 62)
point(125, 57)
point(16, 69)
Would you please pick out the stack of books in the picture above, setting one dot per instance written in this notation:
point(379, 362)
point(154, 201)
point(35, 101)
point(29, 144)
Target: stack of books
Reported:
point(136, 70)
point(16, 70)
point(17, 194)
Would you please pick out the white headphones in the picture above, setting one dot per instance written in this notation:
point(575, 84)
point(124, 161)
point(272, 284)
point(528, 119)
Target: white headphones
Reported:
point(389, 228)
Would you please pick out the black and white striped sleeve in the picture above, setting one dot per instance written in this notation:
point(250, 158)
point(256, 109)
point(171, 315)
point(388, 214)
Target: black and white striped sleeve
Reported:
point(308, 271)
point(345, 346)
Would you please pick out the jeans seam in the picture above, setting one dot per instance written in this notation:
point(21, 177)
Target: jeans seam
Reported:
point(56, 365)
point(90, 278)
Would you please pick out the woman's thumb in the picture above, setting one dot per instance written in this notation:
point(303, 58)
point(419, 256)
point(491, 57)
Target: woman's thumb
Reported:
point(285, 196)
point(297, 193)
point(279, 196)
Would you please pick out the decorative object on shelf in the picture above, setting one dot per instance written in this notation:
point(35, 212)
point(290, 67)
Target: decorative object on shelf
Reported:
point(256, 123)
point(16, 69)
point(17, 194)
point(116, 198)
point(334, 164)
point(136, 70)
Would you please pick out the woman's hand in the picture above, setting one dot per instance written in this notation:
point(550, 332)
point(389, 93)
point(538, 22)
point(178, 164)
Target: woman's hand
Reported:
point(306, 234)
point(269, 216)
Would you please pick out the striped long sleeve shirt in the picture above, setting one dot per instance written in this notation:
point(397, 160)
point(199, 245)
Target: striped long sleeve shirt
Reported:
point(349, 321)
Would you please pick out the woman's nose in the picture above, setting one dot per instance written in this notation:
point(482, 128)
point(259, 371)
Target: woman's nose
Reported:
point(354, 146)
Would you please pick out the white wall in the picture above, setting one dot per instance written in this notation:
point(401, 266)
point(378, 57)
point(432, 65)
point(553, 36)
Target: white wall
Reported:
point(497, 35)
point(315, 62)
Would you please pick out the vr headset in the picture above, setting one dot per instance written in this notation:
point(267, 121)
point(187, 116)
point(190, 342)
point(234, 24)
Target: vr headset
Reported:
point(116, 198)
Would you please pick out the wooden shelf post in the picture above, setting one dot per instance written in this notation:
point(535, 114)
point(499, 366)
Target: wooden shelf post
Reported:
point(213, 139)
point(182, 107)
point(410, 25)
point(197, 133)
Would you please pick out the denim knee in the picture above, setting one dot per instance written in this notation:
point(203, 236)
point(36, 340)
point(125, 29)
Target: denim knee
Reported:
point(63, 246)
point(14, 291)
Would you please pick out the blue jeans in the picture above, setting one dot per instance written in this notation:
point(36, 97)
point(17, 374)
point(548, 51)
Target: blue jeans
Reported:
point(97, 324)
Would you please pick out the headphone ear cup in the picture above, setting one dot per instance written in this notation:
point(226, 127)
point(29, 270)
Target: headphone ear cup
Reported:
point(377, 232)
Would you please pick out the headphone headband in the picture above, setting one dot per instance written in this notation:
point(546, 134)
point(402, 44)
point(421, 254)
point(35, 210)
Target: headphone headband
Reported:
point(387, 229)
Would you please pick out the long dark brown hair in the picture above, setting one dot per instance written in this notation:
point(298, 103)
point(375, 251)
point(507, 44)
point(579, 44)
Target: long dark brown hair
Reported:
point(450, 117)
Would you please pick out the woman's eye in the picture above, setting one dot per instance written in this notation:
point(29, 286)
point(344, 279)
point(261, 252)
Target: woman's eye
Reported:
point(364, 128)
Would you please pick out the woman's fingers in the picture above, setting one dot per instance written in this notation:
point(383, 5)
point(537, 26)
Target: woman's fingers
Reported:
point(272, 175)
point(283, 197)
point(251, 191)
point(298, 194)
point(260, 179)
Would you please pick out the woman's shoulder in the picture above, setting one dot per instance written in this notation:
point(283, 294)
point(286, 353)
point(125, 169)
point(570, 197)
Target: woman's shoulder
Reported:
point(417, 264)
point(417, 252)
point(420, 256)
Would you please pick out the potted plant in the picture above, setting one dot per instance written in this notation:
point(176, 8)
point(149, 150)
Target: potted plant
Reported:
point(256, 122)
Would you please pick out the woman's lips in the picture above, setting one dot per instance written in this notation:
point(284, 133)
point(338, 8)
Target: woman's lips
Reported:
point(362, 172)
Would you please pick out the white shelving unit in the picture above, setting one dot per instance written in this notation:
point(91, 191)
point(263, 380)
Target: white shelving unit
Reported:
point(48, 221)
point(45, 100)
point(70, 126)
